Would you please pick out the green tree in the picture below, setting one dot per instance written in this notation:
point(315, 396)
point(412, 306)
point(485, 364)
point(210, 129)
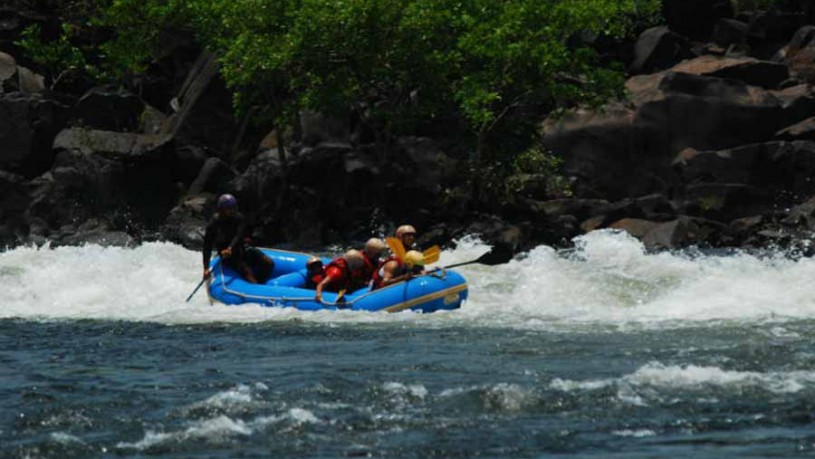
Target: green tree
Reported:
point(480, 60)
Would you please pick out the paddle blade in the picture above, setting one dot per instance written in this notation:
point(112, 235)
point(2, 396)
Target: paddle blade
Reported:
point(432, 254)
point(396, 247)
point(496, 256)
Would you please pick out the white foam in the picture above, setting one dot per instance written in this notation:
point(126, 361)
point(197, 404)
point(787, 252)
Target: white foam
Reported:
point(294, 416)
point(212, 430)
point(65, 438)
point(507, 397)
point(607, 279)
point(638, 433)
point(693, 378)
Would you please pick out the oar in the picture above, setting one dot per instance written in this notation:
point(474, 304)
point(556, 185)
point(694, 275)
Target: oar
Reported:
point(431, 255)
point(491, 258)
point(396, 247)
point(217, 260)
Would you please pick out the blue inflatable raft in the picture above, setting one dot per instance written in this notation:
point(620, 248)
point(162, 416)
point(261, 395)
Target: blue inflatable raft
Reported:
point(286, 289)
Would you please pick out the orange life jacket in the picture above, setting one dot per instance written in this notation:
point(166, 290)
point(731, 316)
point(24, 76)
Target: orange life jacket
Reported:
point(366, 273)
point(342, 278)
point(314, 280)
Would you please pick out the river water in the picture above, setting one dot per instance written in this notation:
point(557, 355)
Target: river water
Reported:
point(601, 351)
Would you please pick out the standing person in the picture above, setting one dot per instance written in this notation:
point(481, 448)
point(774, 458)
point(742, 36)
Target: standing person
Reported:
point(225, 233)
point(340, 273)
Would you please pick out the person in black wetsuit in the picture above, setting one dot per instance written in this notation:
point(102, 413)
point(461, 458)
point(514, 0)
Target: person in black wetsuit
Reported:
point(225, 233)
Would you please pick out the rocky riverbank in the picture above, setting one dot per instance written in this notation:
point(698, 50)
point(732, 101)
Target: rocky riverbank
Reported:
point(713, 146)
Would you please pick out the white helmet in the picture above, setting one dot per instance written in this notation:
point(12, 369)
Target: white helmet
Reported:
point(405, 229)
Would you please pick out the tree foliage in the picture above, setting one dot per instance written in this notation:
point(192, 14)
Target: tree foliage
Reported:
point(397, 62)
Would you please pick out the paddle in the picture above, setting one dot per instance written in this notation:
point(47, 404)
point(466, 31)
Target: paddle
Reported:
point(431, 255)
point(495, 256)
point(396, 247)
point(217, 260)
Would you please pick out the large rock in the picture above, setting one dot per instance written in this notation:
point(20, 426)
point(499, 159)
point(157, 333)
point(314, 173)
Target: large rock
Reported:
point(799, 54)
point(317, 128)
point(786, 166)
point(427, 165)
point(28, 124)
point(658, 48)
point(8, 68)
point(729, 32)
point(695, 18)
point(14, 200)
point(109, 109)
point(751, 71)
point(132, 196)
point(682, 232)
point(116, 145)
point(213, 177)
point(751, 180)
point(805, 130)
point(613, 159)
point(186, 222)
point(713, 113)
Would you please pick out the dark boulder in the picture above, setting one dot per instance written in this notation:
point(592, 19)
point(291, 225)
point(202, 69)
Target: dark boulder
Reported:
point(186, 222)
point(28, 125)
point(109, 109)
point(115, 145)
point(187, 162)
point(805, 130)
point(14, 200)
point(427, 165)
point(782, 167)
point(713, 113)
point(8, 68)
point(659, 48)
point(636, 227)
point(723, 202)
point(682, 232)
point(776, 26)
point(131, 195)
point(728, 32)
point(316, 128)
point(799, 54)
point(749, 70)
point(695, 18)
point(213, 177)
point(613, 159)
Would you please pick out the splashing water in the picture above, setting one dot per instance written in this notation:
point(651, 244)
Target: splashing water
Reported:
point(608, 278)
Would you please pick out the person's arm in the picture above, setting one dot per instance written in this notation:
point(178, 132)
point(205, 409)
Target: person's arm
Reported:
point(331, 274)
point(239, 233)
point(209, 235)
point(318, 294)
point(389, 270)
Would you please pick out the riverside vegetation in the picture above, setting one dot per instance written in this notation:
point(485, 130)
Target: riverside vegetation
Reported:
point(526, 122)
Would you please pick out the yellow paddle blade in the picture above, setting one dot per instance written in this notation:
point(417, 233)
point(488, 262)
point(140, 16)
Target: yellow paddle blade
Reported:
point(431, 255)
point(396, 247)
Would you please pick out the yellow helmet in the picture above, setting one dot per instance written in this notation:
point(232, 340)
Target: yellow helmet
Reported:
point(405, 229)
point(414, 258)
point(354, 259)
